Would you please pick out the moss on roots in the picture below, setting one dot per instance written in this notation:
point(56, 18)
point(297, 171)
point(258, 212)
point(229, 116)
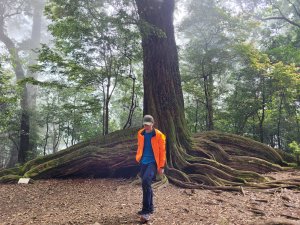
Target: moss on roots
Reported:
point(214, 160)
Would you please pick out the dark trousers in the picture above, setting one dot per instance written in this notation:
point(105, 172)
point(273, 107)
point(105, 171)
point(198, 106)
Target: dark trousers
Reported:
point(148, 172)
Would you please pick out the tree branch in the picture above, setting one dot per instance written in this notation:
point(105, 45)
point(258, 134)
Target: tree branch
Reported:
point(295, 9)
point(282, 18)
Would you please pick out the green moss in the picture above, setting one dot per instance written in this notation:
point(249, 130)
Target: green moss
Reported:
point(9, 179)
point(42, 159)
point(77, 149)
point(243, 146)
point(11, 171)
point(213, 159)
point(44, 170)
point(41, 163)
point(118, 136)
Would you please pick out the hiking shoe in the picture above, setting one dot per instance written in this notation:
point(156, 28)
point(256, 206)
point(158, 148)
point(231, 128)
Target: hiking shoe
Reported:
point(145, 218)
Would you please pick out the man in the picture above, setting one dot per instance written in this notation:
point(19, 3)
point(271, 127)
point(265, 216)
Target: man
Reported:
point(151, 154)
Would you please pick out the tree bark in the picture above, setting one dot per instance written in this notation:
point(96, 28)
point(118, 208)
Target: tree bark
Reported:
point(163, 97)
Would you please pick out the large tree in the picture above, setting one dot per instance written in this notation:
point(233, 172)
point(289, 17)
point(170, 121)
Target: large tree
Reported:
point(10, 12)
point(163, 96)
point(207, 160)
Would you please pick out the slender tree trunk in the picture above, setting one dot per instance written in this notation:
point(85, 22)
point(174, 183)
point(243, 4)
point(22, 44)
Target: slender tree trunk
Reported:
point(196, 116)
point(103, 109)
point(208, 102)
point(66, 141)
point(107, 93)
point(262, 118)
point(47, 133)
point(132, 105)
point(73, 124)
point(208, 89)
point(279, 121)
point(24, 132)
point(106, 119)
point(163, 96)
point(56, 137)
point(298, 127)
point(297, 117)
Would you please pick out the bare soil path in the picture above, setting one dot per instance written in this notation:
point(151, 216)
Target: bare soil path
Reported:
point(110, 201)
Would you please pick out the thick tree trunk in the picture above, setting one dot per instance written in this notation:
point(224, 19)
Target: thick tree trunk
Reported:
point(163, 96)
point(204, 163)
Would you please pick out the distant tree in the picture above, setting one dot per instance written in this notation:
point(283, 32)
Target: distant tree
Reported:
point(10, 10)
point(284, 11)
point(9, 97)
point(296, 150)
point(210, 34)
point(95, 48)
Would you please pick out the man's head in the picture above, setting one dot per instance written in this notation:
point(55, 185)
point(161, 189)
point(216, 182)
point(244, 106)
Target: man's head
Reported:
point(148, 122)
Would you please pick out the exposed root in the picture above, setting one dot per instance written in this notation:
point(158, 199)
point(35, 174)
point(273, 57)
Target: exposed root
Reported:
point(209, 165)
point(162, 181)
point(201, 186)
point(214, 161)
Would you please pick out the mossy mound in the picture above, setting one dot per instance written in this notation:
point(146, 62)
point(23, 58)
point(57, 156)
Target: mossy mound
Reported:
point(215, 161)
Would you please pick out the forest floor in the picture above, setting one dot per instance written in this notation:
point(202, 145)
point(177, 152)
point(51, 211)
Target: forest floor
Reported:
point(115, 201)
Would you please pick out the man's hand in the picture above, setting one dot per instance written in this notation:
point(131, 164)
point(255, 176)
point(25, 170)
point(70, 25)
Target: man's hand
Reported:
point(160, 171)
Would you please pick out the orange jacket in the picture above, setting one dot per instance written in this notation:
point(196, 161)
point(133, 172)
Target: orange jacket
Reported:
point(158, 142)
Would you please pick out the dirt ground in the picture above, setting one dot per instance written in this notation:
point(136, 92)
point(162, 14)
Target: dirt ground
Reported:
point(110, 201)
